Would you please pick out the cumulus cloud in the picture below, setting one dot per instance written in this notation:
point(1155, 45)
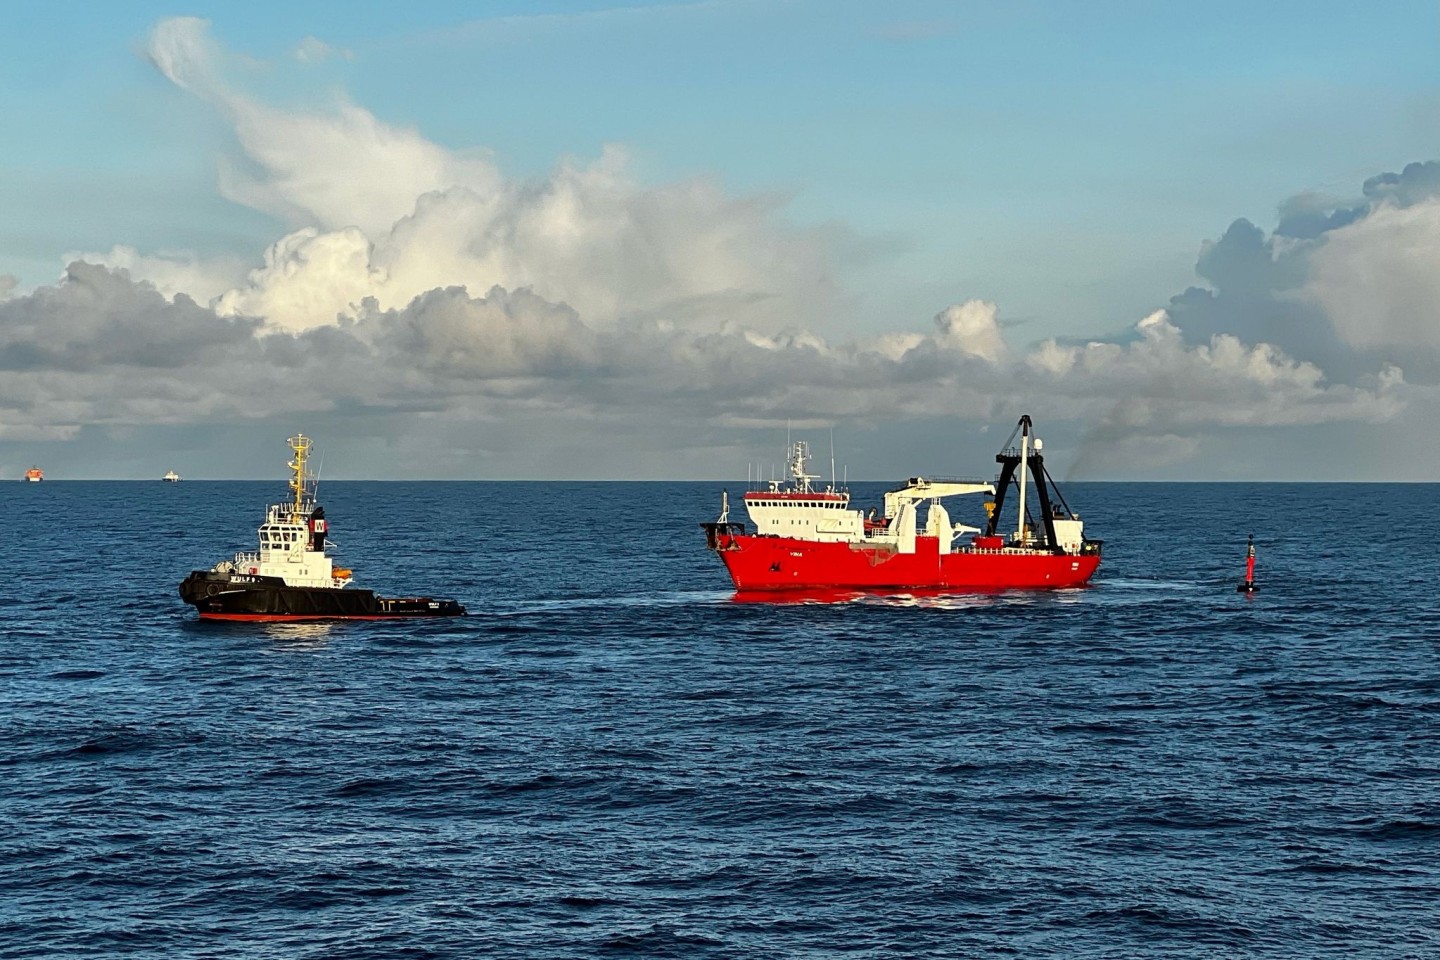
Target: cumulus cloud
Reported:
point(309, 279)
point(1158, 381)
point(97, 319)
point(380, 212)
point(329, 169)
point(972, 329)
point(102, 348)
point(418, 292)
point(203, 280)
point(1346, 284)
point(1377, 281)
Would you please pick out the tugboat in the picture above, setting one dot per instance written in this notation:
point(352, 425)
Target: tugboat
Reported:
point(290, 577)
point(810, 539)
point(34, 475)
point(171, 477)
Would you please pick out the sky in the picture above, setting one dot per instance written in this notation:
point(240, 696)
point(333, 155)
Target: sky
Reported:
point(505, 240)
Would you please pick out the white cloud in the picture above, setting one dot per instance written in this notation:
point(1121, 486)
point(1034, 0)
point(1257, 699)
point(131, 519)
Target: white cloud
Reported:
point(181, 49)
point(1378, 279)
point(971, 328)
point(202, 280)
point(329, 169)
point(1158, 381)
point(100, 348)
point(309, 279)
point(587, 235)
point(607, 304)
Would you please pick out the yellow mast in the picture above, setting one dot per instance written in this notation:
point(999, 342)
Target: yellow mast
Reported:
point(300, 446)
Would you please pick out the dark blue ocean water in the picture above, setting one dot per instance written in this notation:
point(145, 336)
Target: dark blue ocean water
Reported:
point(611, 758)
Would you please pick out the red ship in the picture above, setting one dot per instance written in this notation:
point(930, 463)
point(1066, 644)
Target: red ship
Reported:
point(810, 539)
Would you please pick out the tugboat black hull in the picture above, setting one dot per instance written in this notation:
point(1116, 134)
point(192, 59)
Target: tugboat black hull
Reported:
point(225, 596)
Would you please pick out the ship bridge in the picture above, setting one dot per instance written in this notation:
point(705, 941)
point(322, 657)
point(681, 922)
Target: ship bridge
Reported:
point(811, 515)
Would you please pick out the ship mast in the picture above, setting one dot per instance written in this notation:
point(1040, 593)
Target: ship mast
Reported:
point(799, 456)
point(300, 446)
point(1024, 458)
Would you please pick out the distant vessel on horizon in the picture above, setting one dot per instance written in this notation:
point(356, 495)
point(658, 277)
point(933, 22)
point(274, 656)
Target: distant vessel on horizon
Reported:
point(171, 477)
point(34, 475)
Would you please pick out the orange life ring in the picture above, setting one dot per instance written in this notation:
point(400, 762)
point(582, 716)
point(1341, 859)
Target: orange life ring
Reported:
point(254, 570)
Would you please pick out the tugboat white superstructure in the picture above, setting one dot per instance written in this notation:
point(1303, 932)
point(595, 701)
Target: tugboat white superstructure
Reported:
point(808, 539)
point(291, 577)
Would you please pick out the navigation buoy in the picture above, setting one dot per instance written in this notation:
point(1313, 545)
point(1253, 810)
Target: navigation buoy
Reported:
point(1249, 585)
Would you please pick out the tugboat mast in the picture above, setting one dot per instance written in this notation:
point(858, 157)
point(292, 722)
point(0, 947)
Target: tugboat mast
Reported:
point(300, 446)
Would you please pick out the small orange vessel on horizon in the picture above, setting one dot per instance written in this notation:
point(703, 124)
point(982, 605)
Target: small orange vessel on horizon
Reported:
point(34, 475)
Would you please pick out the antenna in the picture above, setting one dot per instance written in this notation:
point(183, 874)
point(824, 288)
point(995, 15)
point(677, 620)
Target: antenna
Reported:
point(832, 458)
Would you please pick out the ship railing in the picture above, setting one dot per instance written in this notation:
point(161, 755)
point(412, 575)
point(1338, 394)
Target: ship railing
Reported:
point(1011, 550)
point(244, 557)
point(929, 479)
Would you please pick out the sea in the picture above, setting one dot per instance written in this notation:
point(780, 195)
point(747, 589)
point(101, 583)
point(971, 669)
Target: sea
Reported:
point(613, 756)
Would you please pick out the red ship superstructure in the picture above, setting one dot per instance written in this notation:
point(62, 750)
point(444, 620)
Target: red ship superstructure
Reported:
point(811, 539)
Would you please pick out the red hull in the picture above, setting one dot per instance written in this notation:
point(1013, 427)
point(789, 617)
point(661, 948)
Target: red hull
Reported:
point(763, 563)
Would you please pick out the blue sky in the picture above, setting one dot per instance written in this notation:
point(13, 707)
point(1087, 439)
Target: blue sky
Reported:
point(1063, 161)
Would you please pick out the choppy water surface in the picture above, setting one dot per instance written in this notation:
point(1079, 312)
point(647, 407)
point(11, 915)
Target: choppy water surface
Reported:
point(612, 758)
